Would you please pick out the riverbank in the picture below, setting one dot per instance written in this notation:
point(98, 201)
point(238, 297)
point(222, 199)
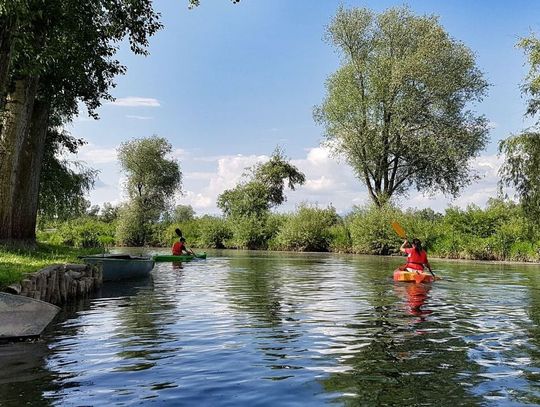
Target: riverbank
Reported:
point(16, 263)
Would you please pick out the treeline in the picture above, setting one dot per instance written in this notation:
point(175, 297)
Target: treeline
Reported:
point(501, 231)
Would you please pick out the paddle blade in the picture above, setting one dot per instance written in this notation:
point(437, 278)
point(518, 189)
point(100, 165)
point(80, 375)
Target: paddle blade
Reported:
point(399, 230)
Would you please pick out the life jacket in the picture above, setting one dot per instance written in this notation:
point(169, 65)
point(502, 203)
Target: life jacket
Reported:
point(414, 260)
point(177, 248)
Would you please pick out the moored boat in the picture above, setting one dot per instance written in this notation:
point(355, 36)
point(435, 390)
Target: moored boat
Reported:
point(22, 317)
point(412, 276)
point(121, 266)
point(184, 257)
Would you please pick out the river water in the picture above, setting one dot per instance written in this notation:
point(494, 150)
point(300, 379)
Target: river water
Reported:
point(286, 329)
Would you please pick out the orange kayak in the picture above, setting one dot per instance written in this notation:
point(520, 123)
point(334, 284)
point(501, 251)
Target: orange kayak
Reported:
point(412, 277)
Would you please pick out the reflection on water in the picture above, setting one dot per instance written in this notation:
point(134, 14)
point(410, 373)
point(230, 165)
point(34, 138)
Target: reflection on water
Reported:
point(247, 328)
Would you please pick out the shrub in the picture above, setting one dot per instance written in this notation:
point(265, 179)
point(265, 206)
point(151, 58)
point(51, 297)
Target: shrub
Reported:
point(340, 238)
point(81, 233)
point(308, 229)
point(248, 232)
point(371, 229)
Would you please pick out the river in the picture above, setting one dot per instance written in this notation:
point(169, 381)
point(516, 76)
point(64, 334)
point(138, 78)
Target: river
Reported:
point(286, 329)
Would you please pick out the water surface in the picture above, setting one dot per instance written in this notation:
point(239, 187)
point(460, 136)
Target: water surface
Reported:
point(267, 329)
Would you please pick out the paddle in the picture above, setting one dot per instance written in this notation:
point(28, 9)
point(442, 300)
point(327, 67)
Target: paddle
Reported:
point(401, 233)
point(399, 230)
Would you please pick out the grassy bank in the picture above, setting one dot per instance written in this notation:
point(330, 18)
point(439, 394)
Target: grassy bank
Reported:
point(14, 263)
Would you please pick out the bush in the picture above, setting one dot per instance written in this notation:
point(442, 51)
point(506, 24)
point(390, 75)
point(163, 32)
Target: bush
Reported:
point(340, 238)
point(371, 230)
point(248, 232)
point(308, 229)
point(81, 233)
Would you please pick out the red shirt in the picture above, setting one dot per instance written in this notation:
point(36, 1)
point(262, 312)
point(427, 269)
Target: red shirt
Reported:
point(177, 248)
point(415, 260)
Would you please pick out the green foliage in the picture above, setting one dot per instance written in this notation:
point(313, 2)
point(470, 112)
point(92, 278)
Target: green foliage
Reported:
point(135, 225)
point(396, 109)
point(309, 229)
point(248, 232)
point(182, 213)
point(371, 230)
point(152, 181)
point(249, 199)
point(62, 184)
point(521, 169)
point(80, 233)
point(263, 190)
point(273, 174)
point(531, 87)
point(109, 212)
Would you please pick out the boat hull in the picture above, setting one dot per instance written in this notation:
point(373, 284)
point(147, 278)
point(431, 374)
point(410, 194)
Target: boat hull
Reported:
point(184, 257)
point(122, 267)
point(412, 277)
point(22, 317)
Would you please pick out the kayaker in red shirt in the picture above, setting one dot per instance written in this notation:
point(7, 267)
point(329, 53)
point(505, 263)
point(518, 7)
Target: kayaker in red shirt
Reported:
point(416, 256)
point(180, 247)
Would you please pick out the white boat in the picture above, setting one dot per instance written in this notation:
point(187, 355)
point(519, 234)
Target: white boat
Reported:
point(121, 266)
point(22, 317)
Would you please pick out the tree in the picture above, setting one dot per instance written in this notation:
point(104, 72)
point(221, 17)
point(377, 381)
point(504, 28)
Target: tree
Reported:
point(183, 213)
point(264, 189)
point(521, 166)
point(521, 169)
point(152, 180)
point(109, 212)
point(53, 55)
point(63, 183)
point(396, 109)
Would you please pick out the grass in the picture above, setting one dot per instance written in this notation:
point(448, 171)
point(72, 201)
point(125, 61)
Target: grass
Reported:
point(15, 263)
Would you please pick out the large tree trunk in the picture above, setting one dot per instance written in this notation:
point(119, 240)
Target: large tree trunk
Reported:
point(15, 126)
point(26, 192)
point(8, 28)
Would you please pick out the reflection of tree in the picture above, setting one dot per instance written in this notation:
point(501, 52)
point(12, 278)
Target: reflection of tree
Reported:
point(254, 289)
point(254, 285)
point(24, 377)
point(142, 322)
point(532, 393)
point(396, 362)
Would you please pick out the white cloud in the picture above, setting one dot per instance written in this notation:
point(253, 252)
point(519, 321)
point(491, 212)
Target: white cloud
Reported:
point(318, 184)
point(135, 101)
point(133, 116)
point(178, 153)
point(93, 154)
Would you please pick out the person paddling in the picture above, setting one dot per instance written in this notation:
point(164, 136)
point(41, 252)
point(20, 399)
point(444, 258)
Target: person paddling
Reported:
point(416, 257)
point(180, 247)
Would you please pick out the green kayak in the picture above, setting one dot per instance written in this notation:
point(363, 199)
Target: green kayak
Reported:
point(184, 257)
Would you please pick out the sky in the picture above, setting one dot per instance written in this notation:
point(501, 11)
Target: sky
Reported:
point(226, 83)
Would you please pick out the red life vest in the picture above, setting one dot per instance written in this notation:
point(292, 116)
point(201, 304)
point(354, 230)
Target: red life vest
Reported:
point(177, 248)
point(415, 260)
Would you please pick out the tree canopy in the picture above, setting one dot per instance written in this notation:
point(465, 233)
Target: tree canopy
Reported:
point(63, 184)
point(152, 179)
point(396, 109)
point(521, 152)
point(264, 188)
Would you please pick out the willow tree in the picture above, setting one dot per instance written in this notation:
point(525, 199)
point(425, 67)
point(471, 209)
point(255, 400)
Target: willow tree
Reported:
point(521, 152)
point(263, 189)
point(397, 108)
point(62, 54)
point(152, 179)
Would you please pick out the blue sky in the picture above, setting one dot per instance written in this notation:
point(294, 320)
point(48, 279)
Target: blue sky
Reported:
point(227, 83)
